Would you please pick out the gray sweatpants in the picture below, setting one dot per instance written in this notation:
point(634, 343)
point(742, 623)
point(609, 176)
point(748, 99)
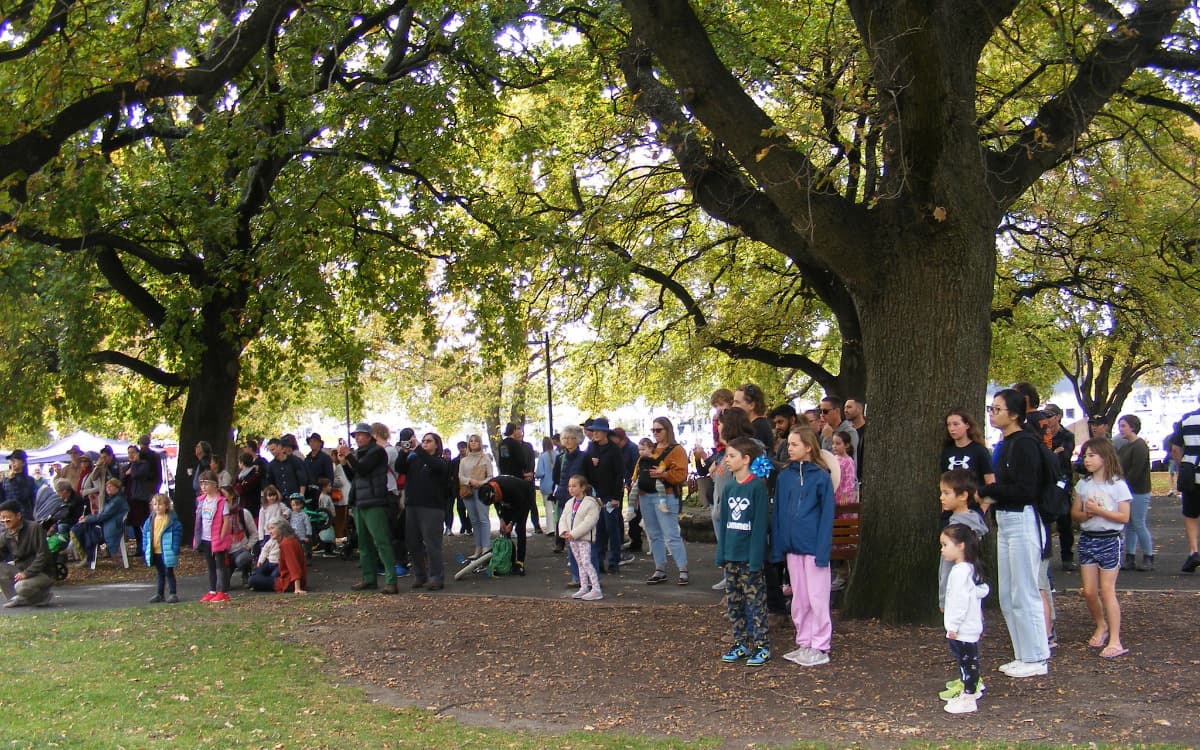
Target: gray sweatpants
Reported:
point(32, 590)
point(423, 531)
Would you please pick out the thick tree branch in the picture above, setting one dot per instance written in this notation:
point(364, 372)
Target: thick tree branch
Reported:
point(54, 22)
point(1053, 131)
point(836, 227)
point(29, 152)
point(93, 240)
point(724, 193)
point(135, 365)
point(735, 349)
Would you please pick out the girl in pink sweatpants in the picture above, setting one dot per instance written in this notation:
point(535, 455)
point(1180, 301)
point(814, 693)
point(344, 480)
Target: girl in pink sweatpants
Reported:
point(802, 534)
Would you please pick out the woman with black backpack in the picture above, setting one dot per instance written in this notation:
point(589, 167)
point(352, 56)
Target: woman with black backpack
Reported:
point(1020, 537)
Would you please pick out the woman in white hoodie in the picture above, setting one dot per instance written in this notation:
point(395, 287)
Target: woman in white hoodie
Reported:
point(963, 618)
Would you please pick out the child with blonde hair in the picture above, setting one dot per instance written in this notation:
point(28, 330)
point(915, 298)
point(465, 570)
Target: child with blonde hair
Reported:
point(165, 535)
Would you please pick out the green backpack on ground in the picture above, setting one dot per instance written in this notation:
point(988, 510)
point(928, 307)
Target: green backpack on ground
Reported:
point(502, 556)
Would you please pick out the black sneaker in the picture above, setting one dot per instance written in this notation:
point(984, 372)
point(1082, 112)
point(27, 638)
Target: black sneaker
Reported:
point(1191, 563)
point(657, 577)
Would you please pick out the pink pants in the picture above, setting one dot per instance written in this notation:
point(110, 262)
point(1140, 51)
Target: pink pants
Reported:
point(582, 550)
point(810, 602)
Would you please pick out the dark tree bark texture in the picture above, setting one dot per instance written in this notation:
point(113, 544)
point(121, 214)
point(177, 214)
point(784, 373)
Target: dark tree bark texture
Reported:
point(919, 262)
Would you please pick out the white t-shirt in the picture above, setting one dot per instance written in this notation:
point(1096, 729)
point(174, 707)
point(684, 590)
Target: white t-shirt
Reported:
point(1110, 494)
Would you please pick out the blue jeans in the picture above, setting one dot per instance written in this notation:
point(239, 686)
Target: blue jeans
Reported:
point(611, 532)
point(662, 527)
point(1137, 533)
point(1019, 553)
point(481, 521)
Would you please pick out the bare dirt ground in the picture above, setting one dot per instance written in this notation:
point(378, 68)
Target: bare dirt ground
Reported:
point(554, 665)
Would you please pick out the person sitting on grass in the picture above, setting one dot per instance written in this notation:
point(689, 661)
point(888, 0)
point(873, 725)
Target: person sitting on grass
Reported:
point(290, 573)
point(24, 580)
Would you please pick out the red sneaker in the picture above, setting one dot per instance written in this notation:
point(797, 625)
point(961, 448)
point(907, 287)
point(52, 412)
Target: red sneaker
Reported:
point(210, 596)
point(220, 598)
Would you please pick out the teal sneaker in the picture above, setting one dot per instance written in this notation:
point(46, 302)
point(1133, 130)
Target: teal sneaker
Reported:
point(737, 652)
point(761, 657)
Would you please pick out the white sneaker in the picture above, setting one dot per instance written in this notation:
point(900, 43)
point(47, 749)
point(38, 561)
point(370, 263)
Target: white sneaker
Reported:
point(582, 592)
point(1010, 665)
point(799, 655)
point(592, 596)
point(962, 704)
point(1028, 669)
point(719, 585)
point(817, 658)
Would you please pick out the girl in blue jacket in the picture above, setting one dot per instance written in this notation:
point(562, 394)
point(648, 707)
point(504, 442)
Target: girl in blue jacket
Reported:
point(162, 534)
point(802, 534)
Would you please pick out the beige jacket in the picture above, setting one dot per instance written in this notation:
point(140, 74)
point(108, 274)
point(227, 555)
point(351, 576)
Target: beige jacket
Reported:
point(581, 524)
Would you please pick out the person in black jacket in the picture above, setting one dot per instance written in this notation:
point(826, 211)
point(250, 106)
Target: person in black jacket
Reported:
point(1020, 535)
point(425, 471)
point(605, 471)
point(18, 486)
point(367, 469)
point(513, 498)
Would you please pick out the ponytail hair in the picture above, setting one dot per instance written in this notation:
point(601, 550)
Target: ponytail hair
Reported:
point(964, 535)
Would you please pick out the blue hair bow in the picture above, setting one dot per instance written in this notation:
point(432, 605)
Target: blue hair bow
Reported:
point(762, 466)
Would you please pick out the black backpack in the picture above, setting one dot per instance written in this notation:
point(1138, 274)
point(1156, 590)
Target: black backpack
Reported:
point(1054, 494)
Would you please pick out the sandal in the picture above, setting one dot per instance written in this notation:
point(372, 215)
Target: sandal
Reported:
point(1098, 641)
point(657, 577)
point(683, 578)
point(1113, 652)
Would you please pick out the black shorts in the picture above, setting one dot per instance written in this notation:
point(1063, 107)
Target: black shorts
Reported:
point(1189, 501)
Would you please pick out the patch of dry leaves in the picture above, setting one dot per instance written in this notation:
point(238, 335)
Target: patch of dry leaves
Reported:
point(557, 665)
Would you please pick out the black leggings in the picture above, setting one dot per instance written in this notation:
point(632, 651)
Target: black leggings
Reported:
point(216, 567)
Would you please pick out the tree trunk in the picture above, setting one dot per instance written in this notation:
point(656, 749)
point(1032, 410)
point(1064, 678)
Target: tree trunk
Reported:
point(207, 415)
point(925, 354)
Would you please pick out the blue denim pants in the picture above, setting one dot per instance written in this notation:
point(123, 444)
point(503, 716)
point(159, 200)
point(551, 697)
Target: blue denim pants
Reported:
point(1019, 554)
point(660, 518)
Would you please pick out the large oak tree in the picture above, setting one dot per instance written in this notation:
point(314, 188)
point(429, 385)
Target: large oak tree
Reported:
point(968, 105)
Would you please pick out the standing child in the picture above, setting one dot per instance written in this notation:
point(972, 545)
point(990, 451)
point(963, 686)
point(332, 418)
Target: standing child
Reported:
point(1101, 506)
point(845, 492)
point(577, 526)
point(165, 533)
point(299, 522)
point(741, 546)
point(963, 617)
point(802, 534)
point(957, 493)
point(213, 535)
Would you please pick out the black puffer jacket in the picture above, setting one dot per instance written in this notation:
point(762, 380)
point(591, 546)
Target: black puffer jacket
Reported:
point(368, 467)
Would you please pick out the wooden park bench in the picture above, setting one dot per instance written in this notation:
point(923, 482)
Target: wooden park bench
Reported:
point(846, 532)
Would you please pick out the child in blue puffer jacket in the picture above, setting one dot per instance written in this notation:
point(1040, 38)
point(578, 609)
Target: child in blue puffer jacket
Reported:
point(802, 534)
point(165, 534)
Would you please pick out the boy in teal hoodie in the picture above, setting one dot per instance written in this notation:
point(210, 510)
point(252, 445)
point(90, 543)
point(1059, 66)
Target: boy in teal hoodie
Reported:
point(741, 547)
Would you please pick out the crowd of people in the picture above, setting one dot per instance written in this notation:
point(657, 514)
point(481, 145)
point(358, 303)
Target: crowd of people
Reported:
point(774, 481)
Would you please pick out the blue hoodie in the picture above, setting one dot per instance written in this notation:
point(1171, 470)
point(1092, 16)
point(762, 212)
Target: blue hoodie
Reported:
point(802, 523)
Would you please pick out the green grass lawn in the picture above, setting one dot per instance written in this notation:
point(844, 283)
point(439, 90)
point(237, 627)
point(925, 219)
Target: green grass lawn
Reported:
point(189, 676)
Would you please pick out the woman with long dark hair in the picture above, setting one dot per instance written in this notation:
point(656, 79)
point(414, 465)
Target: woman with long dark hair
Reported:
point(1020, 535)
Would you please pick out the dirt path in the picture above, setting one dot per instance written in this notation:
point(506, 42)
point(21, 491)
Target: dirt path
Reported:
point(654, 670)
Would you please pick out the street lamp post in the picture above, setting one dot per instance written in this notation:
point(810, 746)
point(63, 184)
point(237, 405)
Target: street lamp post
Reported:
point(545, 342)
